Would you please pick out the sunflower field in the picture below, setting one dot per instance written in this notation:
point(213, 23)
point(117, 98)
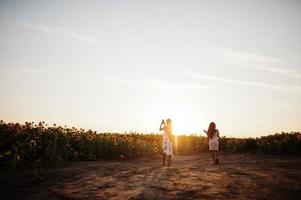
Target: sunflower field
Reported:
point(21, 144)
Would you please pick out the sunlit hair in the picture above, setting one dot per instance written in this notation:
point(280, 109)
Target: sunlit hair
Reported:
point(211, 130)
point(168, 125)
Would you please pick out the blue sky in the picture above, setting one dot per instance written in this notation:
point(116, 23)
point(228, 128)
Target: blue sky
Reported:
point(125, 65)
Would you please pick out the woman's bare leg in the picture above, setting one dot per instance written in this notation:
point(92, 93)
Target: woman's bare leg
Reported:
point(216, 157)
point(212, 155)
point(168, 160)
point(163, 159)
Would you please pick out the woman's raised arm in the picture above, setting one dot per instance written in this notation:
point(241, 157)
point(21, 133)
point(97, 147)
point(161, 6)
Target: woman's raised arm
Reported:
point(162, 125)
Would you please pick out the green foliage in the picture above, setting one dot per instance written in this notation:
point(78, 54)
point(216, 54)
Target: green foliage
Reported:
point(38, 143)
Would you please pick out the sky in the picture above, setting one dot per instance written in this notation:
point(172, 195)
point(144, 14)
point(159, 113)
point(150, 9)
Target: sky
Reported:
point(126, 65)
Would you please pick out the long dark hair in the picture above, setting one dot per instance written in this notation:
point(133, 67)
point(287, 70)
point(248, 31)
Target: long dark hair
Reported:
point(211, 130)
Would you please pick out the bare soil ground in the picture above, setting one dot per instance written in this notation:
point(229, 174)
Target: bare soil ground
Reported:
point(238, 176)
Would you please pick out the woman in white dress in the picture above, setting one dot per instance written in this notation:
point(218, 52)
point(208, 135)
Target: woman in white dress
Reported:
point(213, 136)
point(166, 141)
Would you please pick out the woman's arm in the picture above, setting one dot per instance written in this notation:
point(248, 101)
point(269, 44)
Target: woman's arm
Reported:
point(218, 134)
point(207, 138)
point(162, 125)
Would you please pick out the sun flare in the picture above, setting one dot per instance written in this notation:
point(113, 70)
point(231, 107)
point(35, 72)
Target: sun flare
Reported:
point(185, 121)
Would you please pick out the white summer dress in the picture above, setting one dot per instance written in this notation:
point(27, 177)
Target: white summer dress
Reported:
point(213, 142)
point(166, 144)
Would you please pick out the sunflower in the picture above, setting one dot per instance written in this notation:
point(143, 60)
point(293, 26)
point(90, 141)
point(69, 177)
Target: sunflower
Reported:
point(28, 126)
point(90, 136)
point(32, 143)
point(77, 138)
point(124, 138)
point(130, 139)
point(65, 132)
point(155, 149)
point(75, 154)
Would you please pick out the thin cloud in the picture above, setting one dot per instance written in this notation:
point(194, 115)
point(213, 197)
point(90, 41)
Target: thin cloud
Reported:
point(25, 71)
point(58, 30)
point(290, 88)
point(247, 59)
point(29, 71)
point(163, 84)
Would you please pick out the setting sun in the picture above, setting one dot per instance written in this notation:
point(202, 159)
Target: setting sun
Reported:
point(184, 122)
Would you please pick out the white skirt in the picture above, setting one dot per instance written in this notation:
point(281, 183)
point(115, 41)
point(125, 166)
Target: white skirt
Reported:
point(213, 145)
point(167, 145)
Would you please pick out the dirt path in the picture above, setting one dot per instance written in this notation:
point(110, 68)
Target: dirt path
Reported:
point(190, 177)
